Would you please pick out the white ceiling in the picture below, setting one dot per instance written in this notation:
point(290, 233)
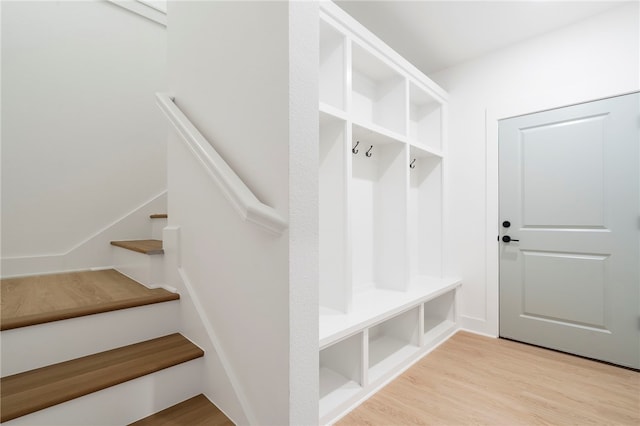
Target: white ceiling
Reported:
point(434, 35)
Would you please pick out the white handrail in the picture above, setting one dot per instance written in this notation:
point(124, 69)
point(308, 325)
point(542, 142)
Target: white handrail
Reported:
point(235, 191)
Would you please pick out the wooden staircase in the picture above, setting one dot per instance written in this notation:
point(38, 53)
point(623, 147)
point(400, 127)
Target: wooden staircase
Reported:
point(149, 247)
point(196, 411)
point(97, 347)
point(40, 299)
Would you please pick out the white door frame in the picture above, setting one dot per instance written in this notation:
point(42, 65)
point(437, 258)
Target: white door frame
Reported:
point(492, 258)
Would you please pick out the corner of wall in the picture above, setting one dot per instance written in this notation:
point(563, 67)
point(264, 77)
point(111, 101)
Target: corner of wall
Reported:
point(303, 212)
point(95, 250)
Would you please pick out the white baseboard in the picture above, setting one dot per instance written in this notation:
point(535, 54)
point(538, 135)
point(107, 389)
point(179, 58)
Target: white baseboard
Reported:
point(144, 9)
point(478, 326)
point(95, 250)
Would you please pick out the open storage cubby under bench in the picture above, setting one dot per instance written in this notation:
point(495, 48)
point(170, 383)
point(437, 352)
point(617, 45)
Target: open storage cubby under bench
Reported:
point(384, 294)
point(392, 342)
point(385, 332)
point(341, 374)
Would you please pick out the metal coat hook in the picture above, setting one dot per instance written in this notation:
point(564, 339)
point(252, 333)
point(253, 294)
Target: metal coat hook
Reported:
point(412, 165)
point(354, 150)
point(368, 153)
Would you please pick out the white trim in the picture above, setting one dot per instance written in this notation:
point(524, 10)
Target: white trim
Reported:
point(235, 191)
point(468, 330)
point(155, 5)
point(144, 9)
point(491, 267)
point(213, 338)
point(95, 234)
point(90, 253)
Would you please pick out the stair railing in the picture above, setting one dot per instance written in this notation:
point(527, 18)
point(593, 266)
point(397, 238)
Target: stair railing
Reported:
point(234, 189)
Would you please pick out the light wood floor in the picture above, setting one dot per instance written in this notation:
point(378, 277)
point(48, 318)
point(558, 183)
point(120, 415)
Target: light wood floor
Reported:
point(37, 299)
point(475, 380)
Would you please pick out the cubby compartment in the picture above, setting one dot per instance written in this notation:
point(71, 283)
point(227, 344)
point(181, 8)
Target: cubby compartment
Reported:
point(439, 318)
point(392, 343)
point(378, 92)
point(378, 202)
point(334, 270)
point(341, 372)
point(425, 119)
point(425, 216)
point(332, 67)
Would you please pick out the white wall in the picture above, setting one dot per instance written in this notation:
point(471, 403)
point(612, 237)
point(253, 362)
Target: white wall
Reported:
point(592, 59)
point(83, 143)
point(245, 74)
point(304, 195)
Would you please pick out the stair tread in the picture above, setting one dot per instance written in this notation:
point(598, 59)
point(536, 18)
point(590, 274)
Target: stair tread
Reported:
point(141, 246)
point(196, 411)
point(44, 387)
point(40, 299)
point(159, 216)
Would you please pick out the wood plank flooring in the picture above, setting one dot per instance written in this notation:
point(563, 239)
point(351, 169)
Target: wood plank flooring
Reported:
point(34, 390)
point(39, 299)
point(196, 411)
point(476, 380)
point(141, 246)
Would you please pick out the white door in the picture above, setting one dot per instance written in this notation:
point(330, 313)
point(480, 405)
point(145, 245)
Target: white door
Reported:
point(569, 202)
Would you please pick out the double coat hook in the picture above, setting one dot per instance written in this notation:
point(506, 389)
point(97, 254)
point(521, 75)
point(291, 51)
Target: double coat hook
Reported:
point(355, 151)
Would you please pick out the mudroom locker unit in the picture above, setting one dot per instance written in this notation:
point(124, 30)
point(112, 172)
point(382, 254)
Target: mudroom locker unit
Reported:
point(385, 298)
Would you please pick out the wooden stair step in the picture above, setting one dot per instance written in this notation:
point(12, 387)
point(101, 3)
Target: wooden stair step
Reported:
point(159, 216)
point(196, 411)
point(141, 246)
point(44, 387)
point(40, 299)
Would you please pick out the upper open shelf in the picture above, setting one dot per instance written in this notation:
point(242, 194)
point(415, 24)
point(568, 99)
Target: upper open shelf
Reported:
point(425, 118)
point(332, 67)
point(378, 91)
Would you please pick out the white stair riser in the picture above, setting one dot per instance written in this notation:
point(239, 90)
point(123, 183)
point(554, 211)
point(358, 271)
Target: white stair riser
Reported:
point(124, 403)
point(32, 347)
point(157, 226)
point(146, 269)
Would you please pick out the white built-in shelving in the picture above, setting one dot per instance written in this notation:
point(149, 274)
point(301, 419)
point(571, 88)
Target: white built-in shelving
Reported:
point(392, 342)
point(341, 372)
point(385, 297)
point(425, 119)
point(439, 317)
